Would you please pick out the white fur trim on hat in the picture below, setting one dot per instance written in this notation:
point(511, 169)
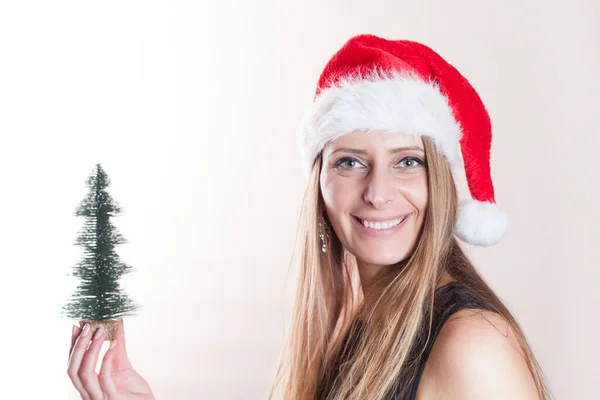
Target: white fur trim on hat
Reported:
point(480, 223)
point(386, 102)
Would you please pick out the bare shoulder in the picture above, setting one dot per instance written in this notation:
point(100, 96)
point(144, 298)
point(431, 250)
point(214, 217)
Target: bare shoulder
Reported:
point(476, 356)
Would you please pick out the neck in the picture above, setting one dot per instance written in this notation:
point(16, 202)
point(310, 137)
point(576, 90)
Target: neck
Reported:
point(369, 272)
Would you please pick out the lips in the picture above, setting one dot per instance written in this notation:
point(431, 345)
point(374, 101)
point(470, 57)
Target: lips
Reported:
point(380, 226)
point(390, 221)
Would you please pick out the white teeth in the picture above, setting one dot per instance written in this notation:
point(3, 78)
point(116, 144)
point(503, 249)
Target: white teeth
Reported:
point(382, 225)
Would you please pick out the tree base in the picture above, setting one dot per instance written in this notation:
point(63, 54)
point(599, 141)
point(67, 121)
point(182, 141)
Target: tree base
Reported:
point(110, 327)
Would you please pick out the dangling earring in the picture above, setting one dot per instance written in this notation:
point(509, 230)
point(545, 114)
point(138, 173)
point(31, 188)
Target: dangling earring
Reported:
point(323, 233)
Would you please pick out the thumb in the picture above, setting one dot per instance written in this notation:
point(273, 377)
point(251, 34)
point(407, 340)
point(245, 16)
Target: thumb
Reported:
point(105, 376)
point(121, 359)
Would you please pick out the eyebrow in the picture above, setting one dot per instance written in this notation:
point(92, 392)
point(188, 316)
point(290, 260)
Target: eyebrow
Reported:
point(392, 151)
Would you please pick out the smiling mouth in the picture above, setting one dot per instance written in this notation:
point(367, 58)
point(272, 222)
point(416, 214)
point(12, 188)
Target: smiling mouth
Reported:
point(381, 225)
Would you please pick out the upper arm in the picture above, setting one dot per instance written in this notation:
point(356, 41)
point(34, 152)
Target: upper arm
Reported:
point(476, 356)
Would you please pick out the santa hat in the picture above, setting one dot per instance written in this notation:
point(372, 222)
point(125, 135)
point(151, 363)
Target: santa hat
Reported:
point(405, 87)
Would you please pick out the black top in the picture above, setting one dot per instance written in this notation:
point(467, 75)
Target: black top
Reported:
point(448, 299)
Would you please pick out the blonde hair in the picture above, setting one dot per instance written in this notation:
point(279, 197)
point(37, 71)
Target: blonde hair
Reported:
point(400, 303)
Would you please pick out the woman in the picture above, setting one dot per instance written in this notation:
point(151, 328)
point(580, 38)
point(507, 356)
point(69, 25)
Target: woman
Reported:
point(388, 306)
point(381, 147)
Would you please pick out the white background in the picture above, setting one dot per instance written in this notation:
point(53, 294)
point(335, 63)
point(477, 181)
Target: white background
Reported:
point(192, 109)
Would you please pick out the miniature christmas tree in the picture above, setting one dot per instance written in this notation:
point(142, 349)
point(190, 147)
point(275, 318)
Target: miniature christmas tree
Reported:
point(98, 299)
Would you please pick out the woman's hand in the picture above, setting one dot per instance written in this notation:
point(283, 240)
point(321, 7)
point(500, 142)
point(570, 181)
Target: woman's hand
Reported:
point(117, 379)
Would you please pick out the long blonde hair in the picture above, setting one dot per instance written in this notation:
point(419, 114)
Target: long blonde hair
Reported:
point(400, 303)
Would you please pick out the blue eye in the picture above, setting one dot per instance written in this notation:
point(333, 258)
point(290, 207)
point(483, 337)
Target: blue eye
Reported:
point(411, 162)
point(348, 163)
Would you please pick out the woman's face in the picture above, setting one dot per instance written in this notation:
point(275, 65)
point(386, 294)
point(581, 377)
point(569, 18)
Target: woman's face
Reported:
point(374, 186)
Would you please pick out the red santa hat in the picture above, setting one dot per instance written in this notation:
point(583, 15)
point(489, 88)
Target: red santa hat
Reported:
point(400, 86)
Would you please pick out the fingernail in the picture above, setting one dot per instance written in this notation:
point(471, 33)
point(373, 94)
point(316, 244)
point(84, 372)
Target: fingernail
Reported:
point(74, 330)
point(113, 344)
point(86, 330)
point(98, 333)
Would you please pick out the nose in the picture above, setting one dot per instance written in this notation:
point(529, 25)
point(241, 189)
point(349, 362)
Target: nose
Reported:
point(379, 190)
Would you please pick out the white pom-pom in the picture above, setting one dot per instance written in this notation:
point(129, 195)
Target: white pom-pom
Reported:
point(481, 223)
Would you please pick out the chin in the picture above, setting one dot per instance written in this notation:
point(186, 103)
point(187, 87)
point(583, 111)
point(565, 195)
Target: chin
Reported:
point(382, 258)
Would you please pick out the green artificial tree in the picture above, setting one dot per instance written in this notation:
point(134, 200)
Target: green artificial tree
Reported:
point(98, 299)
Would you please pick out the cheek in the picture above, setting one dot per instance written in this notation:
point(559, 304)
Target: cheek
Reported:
point(337, 194)
point(340, 197)
point(417, 193)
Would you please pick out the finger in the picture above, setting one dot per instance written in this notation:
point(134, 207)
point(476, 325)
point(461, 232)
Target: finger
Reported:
point(79, 348)
point(105, 377)
point(74, 335)
point(87, 370)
